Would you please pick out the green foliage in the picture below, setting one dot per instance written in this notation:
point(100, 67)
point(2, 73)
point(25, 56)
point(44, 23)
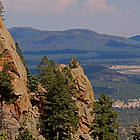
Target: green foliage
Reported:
point(135, 130)
point(60, 113)
point(3, 135)
point(2, 11)
point(6, 87)
point(105, 119)
point(73, 63)
point(71, 83)
point(19, 52)
point(46, 70)
point(23, 132)
point(32, 82)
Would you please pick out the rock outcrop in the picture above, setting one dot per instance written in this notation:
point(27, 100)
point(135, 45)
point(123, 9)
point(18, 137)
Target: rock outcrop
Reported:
point(13, 113)
point(85, 98)
point(7, 44)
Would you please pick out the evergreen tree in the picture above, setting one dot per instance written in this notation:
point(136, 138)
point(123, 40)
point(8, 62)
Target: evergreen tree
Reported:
point(104, 124)
point(74, 62)
point(19, 52)
point(46, 70)
point(1, 10)
point(60, 113)
point(70, 81)
point(24, 134)
point(6, 87)
point(135, 130)
point(32, 82)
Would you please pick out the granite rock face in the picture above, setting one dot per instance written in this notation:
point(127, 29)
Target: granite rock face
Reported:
point(8, 54)
point(85, 90)
point(13, 114)
point(85, 100)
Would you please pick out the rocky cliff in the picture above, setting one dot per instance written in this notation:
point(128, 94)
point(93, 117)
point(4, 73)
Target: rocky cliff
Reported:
point(13, 113)
point(7, 44)
point(85, 98)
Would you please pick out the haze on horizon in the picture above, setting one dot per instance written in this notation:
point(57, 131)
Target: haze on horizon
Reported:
point(114, 17)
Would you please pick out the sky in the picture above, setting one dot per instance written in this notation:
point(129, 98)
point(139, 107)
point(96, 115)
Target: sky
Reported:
point(112, 17)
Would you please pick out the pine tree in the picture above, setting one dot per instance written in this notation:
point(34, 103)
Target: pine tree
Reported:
point(60, 113)
point(104, 124)
point(6, 87)
point(73, 63)
point(46, 70)
point(2, 11)
point(70, 81)
point(19, 52)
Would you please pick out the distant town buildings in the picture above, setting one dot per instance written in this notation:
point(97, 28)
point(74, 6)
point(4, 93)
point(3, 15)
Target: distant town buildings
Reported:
point(130, 103)
point(127, 69)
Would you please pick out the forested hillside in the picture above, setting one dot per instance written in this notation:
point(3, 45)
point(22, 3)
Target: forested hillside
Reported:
point(114, 84)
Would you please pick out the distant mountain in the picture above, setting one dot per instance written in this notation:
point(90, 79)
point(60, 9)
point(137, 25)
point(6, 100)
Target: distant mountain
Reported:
point(136, 38)
point(82, 39)
point(88, 46)
point(19, 33)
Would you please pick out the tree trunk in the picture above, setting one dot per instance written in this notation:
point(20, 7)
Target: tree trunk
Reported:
point(57, 135)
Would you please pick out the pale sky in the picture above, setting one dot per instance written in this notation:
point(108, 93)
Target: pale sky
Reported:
point(113, 17)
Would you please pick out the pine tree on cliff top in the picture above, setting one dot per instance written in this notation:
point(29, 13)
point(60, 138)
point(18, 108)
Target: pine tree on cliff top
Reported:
point(105, 119)
point(74, 62)
point(60, 114)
